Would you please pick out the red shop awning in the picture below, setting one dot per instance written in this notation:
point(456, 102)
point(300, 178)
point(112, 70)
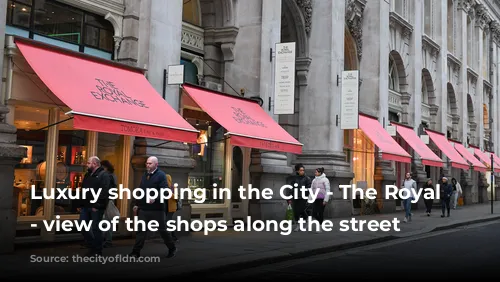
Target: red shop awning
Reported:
point(387, 145)
point(428, 157)
point(247, 124)
point(496, 161)
point(105, 97)
point(477, 165)
point(485, 158)
point(442, 142)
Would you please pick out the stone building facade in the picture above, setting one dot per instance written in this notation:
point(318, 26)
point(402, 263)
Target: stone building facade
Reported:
point(422, 63)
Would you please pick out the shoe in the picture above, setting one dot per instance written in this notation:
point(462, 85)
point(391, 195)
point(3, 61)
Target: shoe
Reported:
point(296, 229)
point(405, 220)
point(442, 215)
point(409, 218)
point(428, 214)
point(172, 253)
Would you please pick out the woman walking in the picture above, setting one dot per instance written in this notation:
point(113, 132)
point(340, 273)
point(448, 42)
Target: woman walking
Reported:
point(428, 202)
point(320, 186)
point(457, 192)
point(171, 205)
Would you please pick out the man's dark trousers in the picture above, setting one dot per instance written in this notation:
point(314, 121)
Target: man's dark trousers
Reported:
point(147, 216)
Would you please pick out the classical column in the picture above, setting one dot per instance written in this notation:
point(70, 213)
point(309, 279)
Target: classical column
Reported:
point(10, 155)
point(268, 169)
point(374, 91)
point(158, 36)
point(320, 102)
point(482, 25)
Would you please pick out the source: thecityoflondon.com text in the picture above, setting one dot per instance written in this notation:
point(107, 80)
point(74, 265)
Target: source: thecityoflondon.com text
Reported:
point(94, 259)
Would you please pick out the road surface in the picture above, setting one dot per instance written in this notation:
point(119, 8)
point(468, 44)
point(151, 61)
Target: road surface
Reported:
point(468, 252)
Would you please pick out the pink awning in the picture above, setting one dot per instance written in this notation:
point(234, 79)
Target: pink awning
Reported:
point(485, 158)
point(496, 161)
point(476, 164)
point(389, 148)
point(428, 157)
point(442, 143)
point(105, 97)
point(248, 125)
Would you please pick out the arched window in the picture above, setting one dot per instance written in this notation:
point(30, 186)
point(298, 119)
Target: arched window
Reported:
point(451, 17)
point(393, 75)
point(486, 117)
point(191, 12)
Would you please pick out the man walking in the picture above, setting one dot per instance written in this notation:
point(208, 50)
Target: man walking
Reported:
point(152, 210)
point(446, 191)
point(96, 178)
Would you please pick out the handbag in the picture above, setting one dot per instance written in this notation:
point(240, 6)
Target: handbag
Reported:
point(111, 211)
point(289, 213)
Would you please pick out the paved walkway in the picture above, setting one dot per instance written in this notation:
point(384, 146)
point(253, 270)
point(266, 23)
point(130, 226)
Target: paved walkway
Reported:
point(227, 249)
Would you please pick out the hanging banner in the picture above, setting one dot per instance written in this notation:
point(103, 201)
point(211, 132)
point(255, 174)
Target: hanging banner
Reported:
point(284, 79)
point(349, 114)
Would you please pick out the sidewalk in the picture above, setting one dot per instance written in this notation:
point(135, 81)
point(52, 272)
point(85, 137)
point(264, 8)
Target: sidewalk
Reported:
point(230, 249)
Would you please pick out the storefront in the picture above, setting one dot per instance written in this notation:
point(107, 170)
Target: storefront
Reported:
point(68, 106)
point(229, 128)
point(362, 146)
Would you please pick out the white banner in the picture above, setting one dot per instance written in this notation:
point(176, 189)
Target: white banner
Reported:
point(349, 114)
point(284, 79)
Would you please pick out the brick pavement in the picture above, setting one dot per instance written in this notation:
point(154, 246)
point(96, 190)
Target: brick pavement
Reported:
point(198, 252)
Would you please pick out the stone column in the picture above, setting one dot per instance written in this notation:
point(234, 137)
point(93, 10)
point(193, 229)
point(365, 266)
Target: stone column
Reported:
point(320, 103)
point(10, 155)
point(375, 87)
point(482, 22)
point(152, 39)
point(415, 109)
point(495, 125)
point(268, 169)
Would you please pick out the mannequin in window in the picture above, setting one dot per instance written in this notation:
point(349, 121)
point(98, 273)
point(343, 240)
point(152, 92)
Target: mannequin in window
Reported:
point(202, 140)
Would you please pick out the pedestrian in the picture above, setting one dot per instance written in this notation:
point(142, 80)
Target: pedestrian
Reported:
point(172, 205)
point(96, 178)
point(457, 192)
point(148, 210)
point(110, 169)
point(320, 186)
point(428, 202)
point(299, 204)
point(446, 191)
point(409, 185)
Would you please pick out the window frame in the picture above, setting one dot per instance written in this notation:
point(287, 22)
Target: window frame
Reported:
point(82, 44)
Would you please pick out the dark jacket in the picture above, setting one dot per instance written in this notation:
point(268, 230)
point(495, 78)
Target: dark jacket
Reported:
point(446, 190)
point(300, 181)
point(157, 180)
point(99, 179)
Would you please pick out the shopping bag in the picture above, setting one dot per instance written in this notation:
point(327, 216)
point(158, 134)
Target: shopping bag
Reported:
point(111, 211)
point(289, 213)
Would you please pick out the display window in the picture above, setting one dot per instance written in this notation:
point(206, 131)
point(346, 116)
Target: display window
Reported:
point(209, 152)
point(32, 134)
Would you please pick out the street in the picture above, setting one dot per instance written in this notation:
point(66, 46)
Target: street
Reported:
point(468, 252)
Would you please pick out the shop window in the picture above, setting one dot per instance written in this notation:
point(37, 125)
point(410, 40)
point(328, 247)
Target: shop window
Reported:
point(110, 148)
point(71, 163)
point(236, 174)
point(209, 154)
point(363, 160)
point(31, 170)
point(62, 25)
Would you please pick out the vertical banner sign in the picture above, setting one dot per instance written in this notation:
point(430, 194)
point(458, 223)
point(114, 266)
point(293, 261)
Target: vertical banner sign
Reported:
point(349, 113)
point(284, 79)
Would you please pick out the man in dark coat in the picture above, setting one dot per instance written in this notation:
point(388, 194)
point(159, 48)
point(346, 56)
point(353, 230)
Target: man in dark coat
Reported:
point(446, 191)
point(96, 178)
point(299, 179)
point(153, 210)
